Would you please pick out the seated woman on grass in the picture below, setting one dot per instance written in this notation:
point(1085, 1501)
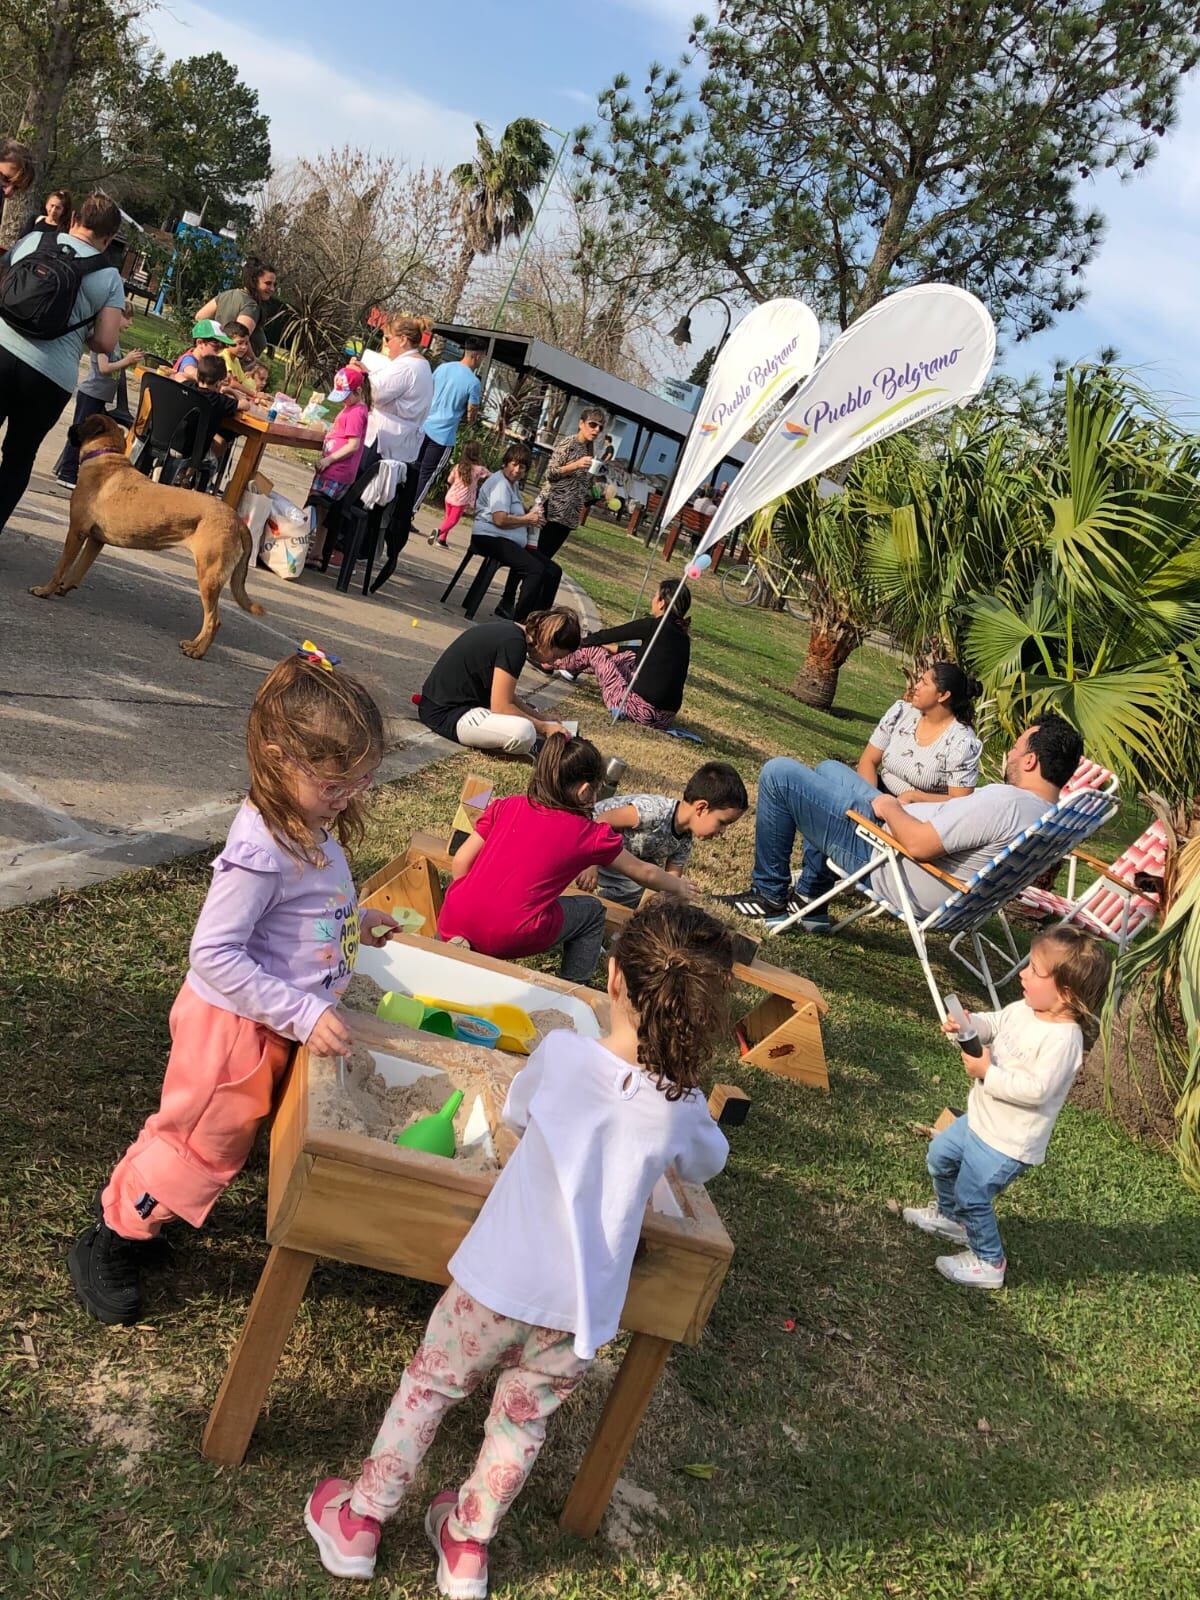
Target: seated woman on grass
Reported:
point(470, 695)
point(664, 663)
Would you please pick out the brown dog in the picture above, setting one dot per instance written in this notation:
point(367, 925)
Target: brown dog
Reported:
point(114, 504)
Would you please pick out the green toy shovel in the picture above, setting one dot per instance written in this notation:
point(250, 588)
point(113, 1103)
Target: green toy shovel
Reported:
point(434, 1134)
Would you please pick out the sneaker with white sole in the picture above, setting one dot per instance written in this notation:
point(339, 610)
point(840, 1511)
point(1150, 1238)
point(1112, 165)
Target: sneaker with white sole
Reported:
point(967, 1269)
point(931, 1220)
point(347, 1543)
point(462, 1572)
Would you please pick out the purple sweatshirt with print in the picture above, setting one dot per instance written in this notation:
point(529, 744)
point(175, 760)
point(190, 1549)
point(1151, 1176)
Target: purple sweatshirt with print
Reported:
point(277, 939)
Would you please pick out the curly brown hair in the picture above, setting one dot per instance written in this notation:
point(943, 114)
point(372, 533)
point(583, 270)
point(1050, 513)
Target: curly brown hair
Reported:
point(677, 963)
point(304, 716)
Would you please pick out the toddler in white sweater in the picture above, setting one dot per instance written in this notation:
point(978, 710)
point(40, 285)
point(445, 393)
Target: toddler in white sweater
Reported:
point(1031, 1053)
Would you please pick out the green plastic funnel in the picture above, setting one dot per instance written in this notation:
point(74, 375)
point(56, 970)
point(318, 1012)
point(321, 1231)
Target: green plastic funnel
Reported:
point(435, 1134)
point(412, 1013)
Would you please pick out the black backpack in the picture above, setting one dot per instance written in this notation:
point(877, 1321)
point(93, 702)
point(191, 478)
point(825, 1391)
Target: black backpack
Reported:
point(39, 291)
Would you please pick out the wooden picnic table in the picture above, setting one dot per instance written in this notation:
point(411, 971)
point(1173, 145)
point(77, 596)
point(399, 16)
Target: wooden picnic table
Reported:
point(256, 432)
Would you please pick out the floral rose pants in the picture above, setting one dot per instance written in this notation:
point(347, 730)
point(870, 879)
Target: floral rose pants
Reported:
point(462, 1344)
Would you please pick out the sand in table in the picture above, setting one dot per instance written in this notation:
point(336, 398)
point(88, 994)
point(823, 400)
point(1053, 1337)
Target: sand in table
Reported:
point(364, 1102)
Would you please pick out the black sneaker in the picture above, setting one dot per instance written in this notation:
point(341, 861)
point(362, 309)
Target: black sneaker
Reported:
point(151, 1253)
point(504, 613)
point(104, 1269)
point(750, 904)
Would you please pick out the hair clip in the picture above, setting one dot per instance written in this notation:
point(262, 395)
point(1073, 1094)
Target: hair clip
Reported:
point(313, 652)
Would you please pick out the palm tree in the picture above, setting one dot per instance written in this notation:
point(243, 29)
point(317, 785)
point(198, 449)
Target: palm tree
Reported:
point(493, 200)
point(1098, 615)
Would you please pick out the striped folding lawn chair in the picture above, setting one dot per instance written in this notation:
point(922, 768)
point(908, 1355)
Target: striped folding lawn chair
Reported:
point(1113, 906)
point(968, 904)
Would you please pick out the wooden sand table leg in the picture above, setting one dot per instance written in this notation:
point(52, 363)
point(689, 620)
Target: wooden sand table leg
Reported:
point(615, 1433)
point(256, 1354)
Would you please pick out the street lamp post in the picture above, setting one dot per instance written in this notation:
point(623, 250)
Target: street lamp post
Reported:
point(512, 278)
point(680, 335)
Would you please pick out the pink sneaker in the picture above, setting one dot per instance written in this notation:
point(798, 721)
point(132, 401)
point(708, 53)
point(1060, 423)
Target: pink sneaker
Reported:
point(346, 1541)
point(462, 1563)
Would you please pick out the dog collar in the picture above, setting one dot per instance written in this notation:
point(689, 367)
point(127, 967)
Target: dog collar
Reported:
point(108, 450)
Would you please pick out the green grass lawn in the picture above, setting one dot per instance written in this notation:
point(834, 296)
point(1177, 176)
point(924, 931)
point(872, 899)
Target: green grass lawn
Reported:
point(873, 1432)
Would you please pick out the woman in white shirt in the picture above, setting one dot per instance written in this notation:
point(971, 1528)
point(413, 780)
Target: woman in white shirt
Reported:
point(401, 394)
point(923, 748)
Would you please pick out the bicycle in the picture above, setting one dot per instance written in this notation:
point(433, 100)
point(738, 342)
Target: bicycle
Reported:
point(767, 575)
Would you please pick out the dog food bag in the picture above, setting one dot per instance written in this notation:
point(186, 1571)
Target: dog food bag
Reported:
point(285, 539)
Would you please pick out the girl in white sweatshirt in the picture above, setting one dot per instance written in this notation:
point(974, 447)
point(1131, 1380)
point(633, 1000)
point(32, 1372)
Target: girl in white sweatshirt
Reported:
point(538, 1284)
point(1032, 1051)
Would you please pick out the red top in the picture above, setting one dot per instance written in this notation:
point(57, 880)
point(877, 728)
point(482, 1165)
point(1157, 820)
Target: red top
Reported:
point(507, 905)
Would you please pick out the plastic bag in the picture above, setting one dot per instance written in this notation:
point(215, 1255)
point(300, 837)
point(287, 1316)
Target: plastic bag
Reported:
point(285, 538)
point(254, 510)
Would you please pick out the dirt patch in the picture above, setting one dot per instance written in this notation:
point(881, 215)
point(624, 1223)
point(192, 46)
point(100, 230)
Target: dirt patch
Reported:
point(630, 1514)
point(1130, 1089)
point(117, 1414)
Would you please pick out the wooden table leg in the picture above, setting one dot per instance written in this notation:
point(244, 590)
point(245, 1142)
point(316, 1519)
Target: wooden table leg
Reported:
point(253, 446)
point(615, 1433)
point(256, 1354)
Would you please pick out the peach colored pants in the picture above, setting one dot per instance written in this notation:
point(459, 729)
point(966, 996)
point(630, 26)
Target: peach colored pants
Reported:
point(220, 1081)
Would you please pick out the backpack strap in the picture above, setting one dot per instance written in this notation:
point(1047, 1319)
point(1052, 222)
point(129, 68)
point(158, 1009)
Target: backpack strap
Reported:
point(85, 266)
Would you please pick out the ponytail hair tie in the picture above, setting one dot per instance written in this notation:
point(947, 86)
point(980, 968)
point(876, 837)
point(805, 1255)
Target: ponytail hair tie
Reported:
point(313, 652)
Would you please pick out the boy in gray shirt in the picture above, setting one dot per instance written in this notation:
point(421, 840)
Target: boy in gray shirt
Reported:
point(95, 393)
point(660, 830)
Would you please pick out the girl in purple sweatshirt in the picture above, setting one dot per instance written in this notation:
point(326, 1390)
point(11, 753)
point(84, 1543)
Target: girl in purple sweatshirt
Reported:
point(274, 947)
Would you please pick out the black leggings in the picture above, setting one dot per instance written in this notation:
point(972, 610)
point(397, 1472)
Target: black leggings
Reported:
point(31, 404)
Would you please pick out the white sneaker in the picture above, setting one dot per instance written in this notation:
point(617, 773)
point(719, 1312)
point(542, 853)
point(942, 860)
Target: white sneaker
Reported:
point(930, 1220)
point(567, 677)
point(968, 1270)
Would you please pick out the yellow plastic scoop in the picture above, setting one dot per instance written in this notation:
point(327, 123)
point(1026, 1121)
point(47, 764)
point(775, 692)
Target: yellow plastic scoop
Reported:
point(517, 1032)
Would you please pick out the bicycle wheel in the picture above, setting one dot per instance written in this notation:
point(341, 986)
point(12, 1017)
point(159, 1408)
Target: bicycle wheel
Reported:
point(796, 605)
point(741, 586)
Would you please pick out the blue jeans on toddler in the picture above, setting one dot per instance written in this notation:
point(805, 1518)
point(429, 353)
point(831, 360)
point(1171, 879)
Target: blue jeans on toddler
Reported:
point(967, 1176)
point(812, 801)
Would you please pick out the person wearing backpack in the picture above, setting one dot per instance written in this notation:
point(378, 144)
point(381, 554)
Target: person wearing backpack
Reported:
point(58, 294)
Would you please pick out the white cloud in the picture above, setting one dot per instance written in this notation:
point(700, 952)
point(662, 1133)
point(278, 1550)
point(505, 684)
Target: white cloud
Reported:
point(312, 105)
point(579, 97)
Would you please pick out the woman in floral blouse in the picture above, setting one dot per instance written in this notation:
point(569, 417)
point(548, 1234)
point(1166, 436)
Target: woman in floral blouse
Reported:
point(923, 748)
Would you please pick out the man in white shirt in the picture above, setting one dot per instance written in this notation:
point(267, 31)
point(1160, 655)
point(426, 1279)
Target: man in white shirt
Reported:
point(958, 836)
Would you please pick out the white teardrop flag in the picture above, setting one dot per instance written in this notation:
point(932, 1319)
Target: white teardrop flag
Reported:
point(915, 353)
point(773, 347)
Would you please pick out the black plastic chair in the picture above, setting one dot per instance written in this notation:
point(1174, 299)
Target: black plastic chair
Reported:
point(179, 431)
point(480, 583)
point(346, 525)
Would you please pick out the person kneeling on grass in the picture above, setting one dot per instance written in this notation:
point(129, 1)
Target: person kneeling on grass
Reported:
point(1032, 1052)
point(538, 1284)
point(662, 831)
point(508, 898)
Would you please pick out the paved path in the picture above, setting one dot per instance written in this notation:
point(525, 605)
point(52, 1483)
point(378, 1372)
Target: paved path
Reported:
point(116, 750)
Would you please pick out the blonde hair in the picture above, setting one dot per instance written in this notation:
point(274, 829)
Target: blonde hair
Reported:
point(403, 325)
point(305, 716)
point(1081, 972)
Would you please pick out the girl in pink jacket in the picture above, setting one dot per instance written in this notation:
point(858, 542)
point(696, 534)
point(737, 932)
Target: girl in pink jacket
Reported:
point(274, 947)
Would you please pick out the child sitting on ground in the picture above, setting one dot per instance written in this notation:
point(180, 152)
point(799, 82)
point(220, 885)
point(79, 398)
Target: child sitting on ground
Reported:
point(467, 473)
point(661, 830)
point(1032, 1051)
point(538, 1284)
point(507, 898)
point(274, 947)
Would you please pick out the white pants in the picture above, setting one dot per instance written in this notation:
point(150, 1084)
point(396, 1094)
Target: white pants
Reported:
point(485, 730)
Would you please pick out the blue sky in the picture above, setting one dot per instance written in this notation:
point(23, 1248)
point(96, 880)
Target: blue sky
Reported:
point(413, 80)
